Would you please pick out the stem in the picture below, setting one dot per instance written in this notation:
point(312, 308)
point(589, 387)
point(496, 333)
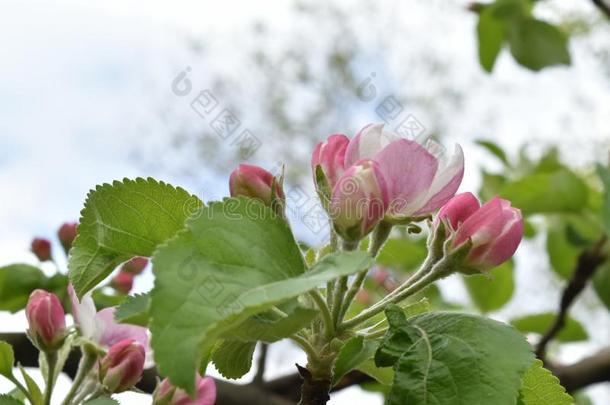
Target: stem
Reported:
point(333, 248)
point(84, 367)
point(380, 235)
point(22, 389)
point(426, 275)
point(315, 389)
point(312, 354)
point(261, 362)
point(341, 286)
point(329, 326)
point(51, 364)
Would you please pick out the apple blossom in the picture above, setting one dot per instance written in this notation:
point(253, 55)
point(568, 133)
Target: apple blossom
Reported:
point(494, 229)
point(255, 182)
point(46, 319)
point(121, 368)
point(329, 155)
point(41, 248)
point(67, 234)
point(167, 394)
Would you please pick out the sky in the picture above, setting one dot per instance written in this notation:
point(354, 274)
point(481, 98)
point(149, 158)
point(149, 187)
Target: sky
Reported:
point(76, 80)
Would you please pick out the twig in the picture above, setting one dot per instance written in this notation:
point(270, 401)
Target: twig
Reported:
point(260, 365)
point(603, 7)
point(587, 264)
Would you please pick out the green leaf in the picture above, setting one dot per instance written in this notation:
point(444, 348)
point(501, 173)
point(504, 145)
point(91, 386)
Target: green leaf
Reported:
point(268, 327)
point(233, 359)
point(102, 401)
point(134, 310)
point(541, 387)
point(604, 175)
point(573, 331)
point(491, 33)
point(17, 281)
point(492, 292)
point(383, 375)
point(8, 400)
point(123, 220)
point(453, 359)
point(233, 261)
point(536, 44)
point(354, 352)
point(32, 387)
point(494, 149)
point(558, 191)
point(7, 359)
point(403, 254)
point(601, 283)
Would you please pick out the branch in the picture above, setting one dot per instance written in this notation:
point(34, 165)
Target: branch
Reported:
point(591, 370)
point(603, 7)
point(588, 262)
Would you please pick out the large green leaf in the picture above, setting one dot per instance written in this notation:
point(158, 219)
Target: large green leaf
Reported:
point(269, 327)
point(601, 283)
point(453, 359)
point(122, 220)
point(573, 331)
point(134, 310)
point(17, 281)
point(491, 33)
point(491, 292)
point(233, 359)
point(354, 352)
point(7, 359)
point(8, 400)
point(234, 260)
point(536, 44)
point(558, 191)
point(541, 387)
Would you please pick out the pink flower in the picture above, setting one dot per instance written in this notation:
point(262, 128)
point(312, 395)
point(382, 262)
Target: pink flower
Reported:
point(254, 182)
point(123, 282)
point(67, 234)
point(46, 319)
point(329, 155)
point(122, 366)
point(495, 229)
point(420, 177)
point(41, 248)
point(359, 200)
point(136, 265)
point(101, 328)
point(168, 394)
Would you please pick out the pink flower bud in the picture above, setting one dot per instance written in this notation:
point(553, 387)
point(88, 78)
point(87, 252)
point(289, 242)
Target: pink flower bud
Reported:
point(495, 229)
point(254, 182)
point(363, 297)
point(46, 319)
point(330, 156)
point(67, 234)
point(122, 366)
point(42, 249)
point(169, 395)
point(123, 282)
point(359, 200)
point(135, 266)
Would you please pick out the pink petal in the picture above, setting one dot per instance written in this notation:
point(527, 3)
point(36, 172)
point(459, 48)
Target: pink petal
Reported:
point(484, 225)
point(458, 209)
point(83, 312)
point(409, 170)
point(505, 246)
point(110, 332)
point(367, 143)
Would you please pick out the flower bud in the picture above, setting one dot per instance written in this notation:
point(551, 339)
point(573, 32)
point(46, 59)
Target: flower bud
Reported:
point(135, 266)
point(359, 200)
point(329, 156)
point(42, 249)
point(255, 182)
point(494, 230)
point(122, 366)
point(46, 319)
point(167, 394)
point(67, 234)
point(123, 282)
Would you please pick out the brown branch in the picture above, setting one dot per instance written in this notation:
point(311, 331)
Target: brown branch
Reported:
point(591, 370)
point(603, 7)
point(587, 264)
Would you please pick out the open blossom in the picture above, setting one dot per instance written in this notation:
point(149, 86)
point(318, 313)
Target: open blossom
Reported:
point(101, 328)
point(495, 229)
point(358, 200)
point(254, 182)
point(121, 368)
point(169, 395)
point(420, 177)
point(46, 319)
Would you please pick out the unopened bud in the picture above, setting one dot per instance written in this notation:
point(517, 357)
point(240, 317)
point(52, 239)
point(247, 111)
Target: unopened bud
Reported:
point(136, 265)
point(122, 366)
point(42, 249)
point(123, 282)
point(46, 319)
point(67, 234)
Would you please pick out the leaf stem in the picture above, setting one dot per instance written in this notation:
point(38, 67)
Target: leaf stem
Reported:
point(329, 326)
point(304, 344)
